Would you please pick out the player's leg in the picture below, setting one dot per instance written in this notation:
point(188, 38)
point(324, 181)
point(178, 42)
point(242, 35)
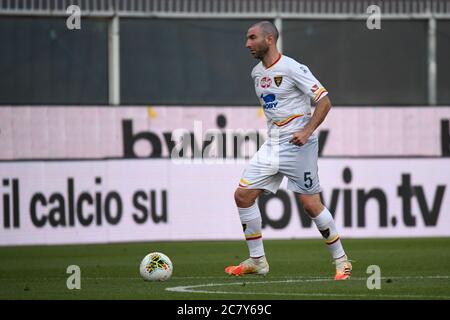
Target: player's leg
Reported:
point(251, 221)
point(325, 224)
point(250, 217)
point(260, 175)
point(302, 172)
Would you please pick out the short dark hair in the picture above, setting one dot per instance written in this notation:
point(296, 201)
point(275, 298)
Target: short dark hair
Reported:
point(268, 28)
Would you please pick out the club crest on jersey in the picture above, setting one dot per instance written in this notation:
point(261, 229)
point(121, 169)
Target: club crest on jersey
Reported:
point(278, 80)
point(265, 82)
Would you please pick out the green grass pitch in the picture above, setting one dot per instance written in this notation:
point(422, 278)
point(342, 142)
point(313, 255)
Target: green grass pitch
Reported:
point(300, 269)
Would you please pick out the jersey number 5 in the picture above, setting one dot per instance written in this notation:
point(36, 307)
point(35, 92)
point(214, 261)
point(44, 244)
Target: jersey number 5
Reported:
point(308, 180)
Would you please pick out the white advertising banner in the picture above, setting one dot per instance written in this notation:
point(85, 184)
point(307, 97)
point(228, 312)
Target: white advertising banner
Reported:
point(114, 174)
point(143, 132)
point(58, 202)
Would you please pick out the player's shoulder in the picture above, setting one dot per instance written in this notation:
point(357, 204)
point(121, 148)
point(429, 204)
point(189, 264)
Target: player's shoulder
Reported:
point(294, 65)
point(290, 61)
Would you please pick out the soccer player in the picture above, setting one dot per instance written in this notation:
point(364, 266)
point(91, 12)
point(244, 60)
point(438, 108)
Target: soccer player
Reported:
point(285, 89)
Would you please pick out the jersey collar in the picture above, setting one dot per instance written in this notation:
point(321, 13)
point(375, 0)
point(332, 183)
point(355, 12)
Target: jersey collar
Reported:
point(278, 59)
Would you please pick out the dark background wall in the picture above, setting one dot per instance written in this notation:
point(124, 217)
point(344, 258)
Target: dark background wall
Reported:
point(443, 62)
point(186, 62)
point(42, 62)
point(362, 66)
point(205, 62)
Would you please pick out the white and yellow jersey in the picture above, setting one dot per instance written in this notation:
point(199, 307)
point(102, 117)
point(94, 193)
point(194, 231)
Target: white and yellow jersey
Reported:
point(285, 90)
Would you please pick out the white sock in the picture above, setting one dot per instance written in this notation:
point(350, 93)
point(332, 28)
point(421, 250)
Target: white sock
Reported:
point(325, 223)
point(252, 225)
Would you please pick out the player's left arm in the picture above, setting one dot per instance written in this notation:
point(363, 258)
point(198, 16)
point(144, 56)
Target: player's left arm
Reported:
point(322, 107)
point(309, 85)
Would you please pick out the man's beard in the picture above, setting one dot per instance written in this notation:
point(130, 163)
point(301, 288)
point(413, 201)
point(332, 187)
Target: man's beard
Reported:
point(260, 54)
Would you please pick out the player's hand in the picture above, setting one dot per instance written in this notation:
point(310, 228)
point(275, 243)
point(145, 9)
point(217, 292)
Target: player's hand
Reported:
point(300, 137)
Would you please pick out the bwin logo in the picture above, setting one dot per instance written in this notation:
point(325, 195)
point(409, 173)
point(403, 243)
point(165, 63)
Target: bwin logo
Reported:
point(269, 101)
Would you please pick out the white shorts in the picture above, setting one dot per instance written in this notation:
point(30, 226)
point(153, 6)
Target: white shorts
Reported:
point(272, 162)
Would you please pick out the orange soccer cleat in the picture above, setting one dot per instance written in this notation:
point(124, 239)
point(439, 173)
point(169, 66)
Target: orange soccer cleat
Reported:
point(249, 266)
point(343, 269)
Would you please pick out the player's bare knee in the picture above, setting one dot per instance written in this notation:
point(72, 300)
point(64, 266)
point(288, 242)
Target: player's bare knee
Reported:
point(243, 198)
point(312, 206)
point(310, 210)
point(240, 198)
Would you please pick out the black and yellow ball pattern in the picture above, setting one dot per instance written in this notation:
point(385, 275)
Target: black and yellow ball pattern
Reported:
point(156, 262)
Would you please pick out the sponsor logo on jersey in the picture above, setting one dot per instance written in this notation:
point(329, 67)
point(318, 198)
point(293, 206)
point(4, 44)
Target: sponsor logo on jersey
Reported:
point(265, 82)
point(304, 69)
point(278, 80)
point(314, 88)
point(269, 101)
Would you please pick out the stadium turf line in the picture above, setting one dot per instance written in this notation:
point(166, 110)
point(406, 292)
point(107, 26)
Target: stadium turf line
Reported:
point(299, 269)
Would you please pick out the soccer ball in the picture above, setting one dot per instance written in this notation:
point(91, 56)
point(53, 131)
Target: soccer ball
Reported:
point(156, 266)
